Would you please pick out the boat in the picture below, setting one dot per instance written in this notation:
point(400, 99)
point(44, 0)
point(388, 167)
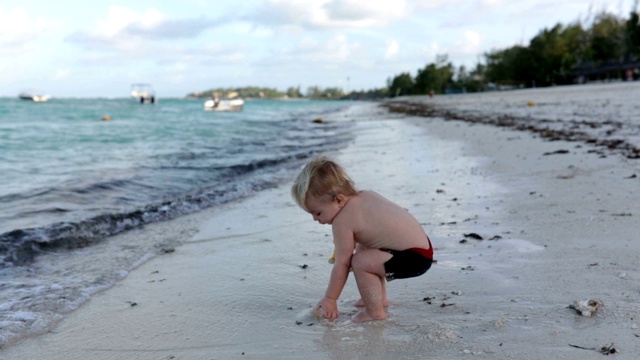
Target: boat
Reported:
point(224, 105)
point(143, 93)
point(34, 96)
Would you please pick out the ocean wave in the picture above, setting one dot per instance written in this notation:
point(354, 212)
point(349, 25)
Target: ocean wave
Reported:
point(67, 191)
point(19, 247)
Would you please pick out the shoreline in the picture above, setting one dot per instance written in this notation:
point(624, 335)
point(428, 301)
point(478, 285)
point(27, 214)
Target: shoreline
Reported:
point(528, 110)
point(556, 228)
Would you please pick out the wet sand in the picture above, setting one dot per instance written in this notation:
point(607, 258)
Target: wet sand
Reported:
point(558, 222)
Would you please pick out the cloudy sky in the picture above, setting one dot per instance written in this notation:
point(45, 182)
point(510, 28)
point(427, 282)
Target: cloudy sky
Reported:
point(71, 48)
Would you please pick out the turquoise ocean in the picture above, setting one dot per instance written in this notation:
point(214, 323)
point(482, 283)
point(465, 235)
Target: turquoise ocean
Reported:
point(74, 172)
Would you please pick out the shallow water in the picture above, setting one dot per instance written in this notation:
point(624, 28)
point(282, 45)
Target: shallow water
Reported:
point(61, 163)
point(70, 180)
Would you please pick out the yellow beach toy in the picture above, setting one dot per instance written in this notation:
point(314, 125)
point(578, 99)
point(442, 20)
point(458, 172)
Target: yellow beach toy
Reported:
point(332, 259)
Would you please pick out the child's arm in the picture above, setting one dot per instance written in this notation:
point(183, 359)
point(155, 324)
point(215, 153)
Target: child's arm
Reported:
point(345, 245)
point(332, 259)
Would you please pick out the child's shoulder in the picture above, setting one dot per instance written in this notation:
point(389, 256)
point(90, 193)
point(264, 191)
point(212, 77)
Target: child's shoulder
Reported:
point(367, 193)
point(371, 198)
point(370, 195)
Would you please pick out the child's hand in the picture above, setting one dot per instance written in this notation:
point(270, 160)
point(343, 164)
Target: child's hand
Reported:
point(327, 308)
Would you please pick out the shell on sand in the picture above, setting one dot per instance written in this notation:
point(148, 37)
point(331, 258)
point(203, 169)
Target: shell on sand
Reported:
point(586, 307)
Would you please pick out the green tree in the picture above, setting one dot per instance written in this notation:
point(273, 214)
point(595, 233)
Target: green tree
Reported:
point(402, 84)
point(607, 39)
point(512, 66)
point(469, 81)
point(632, 40)
point(551, 55)
point(576, 41)
point(314, 92)
point(332, 93)
point(462, 75)
point(480, 72)
point(434, 76)
point(294, 92)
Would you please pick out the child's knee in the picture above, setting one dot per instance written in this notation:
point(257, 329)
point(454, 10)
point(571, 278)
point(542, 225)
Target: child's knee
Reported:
point(360, 261)
point(356, 261)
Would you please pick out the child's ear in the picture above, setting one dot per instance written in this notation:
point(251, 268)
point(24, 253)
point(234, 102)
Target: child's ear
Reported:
point(340, 199)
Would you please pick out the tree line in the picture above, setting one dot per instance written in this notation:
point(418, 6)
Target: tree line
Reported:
point(609, 48)
point(600, 47)
point(254, 92)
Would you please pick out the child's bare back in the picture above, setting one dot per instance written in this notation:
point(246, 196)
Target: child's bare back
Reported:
point(376, 238)
point(378, 223)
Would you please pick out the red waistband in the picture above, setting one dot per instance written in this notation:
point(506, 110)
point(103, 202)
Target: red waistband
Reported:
point(428, 253)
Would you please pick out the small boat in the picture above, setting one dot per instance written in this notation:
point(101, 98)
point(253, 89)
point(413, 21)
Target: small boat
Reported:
point(224, 105)
point(34, 96)
point(143, 93)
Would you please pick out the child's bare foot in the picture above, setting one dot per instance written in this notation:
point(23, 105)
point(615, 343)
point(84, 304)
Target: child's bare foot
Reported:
point(363, 316)
point(360, 303)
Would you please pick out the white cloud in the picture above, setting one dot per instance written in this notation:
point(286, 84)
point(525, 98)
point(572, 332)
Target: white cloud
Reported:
point(364, 13)
point(307, 43)
point(492, 3)
point(18, 30)
point(111, 33)
point(118, 18)
point(330, 13)
point(392, 49)
point(465, 51)
point(61, 74)
point(434, 4)
point(463, 48)
point(471, 42)
point(337, 49)
point(126, 30)
point(228, 57)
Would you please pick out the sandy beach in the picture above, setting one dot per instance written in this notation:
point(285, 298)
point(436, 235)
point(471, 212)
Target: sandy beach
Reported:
point(557, 221)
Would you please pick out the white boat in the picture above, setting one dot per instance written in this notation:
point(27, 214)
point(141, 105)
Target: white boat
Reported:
point(224, 105)
point(34, 96)
point(143, 93)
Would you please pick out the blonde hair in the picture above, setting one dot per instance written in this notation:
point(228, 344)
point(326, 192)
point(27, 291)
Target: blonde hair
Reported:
point(321, 176)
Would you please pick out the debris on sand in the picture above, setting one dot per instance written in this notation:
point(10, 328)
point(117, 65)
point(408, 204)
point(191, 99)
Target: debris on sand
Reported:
point(605, 350)
point(561, 151)
point(576, 131)
point(586, 307)
point(473, 236)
